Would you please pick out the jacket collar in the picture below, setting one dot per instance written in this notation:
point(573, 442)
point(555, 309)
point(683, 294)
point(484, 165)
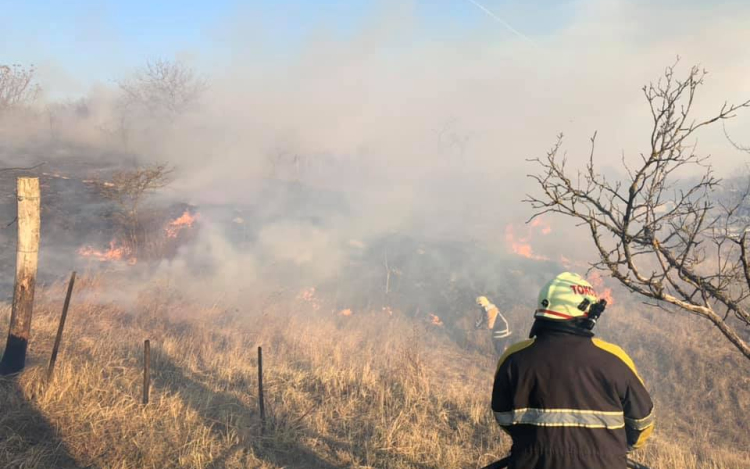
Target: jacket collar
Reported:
point(543, 327)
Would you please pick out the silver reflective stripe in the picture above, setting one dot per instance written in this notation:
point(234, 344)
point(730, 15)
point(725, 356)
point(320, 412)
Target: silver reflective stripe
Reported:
point(498, 333)
point(561, 418)
point(641, 424)
point(500, 316)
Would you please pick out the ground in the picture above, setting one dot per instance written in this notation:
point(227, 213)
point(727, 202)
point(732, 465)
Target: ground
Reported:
point(370, 390)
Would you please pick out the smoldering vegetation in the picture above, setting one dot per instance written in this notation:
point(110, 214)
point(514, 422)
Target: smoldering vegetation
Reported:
point(301, 165)
point(342, 208)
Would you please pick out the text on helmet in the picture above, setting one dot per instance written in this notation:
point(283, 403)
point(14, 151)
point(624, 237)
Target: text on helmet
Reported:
point(583, 290)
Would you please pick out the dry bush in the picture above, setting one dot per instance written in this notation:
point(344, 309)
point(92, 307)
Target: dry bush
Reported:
point(163, 87)
point(19, 120)
point(129, 191)
point(368, 390)
point(17, 86)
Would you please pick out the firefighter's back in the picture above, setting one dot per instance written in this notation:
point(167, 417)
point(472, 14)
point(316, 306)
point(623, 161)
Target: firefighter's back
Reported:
point(562, 405)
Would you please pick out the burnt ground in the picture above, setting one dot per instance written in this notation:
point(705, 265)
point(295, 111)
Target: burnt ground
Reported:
point(425, 274)
point(72, 212)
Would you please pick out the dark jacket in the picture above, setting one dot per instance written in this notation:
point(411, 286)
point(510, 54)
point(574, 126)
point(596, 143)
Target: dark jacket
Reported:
point(569, 400)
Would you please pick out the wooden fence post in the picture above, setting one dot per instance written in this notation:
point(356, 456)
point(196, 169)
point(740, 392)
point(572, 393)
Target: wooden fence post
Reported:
point(27, 253)
point(261, 406)
point(146, 369)
point(58, 338)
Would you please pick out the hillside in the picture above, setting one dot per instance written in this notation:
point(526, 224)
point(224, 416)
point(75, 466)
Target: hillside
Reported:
point(337, 183)
point(365, 390)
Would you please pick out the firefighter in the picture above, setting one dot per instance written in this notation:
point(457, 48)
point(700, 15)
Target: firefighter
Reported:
point(567, 399)
point(490, 317)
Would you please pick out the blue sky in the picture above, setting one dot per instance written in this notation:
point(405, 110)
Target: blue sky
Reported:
point(78, 42)
point(95, 40)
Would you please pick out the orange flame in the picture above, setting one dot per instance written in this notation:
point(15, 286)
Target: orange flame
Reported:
point(607, 295)
point(114, 253)
point(345, 312)
point(435, 320)
point(604, 292)
point(185, 220)
point(521, 245)
point(545, 227)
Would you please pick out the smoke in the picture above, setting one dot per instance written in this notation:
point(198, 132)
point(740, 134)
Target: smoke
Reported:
point(342, 143)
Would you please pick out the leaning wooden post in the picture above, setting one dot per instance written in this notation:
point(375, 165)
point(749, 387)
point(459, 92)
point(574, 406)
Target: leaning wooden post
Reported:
point(146, 369)
point(261, 407)
point(27, 252)
point(58, 339)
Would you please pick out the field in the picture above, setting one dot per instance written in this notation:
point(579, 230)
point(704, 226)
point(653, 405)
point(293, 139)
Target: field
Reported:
point(335, 184)
point(369, 390)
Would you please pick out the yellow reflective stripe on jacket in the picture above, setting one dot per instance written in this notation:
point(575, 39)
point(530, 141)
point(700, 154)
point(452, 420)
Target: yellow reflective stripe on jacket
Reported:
point(562, 418)
point(644, 436)
point(513, 349)
point(619, 353)
point(641, 424)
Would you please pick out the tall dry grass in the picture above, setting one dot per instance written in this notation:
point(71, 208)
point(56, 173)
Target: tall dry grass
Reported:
point(366, 391)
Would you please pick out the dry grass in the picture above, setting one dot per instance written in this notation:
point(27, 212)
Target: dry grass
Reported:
point(361, 391)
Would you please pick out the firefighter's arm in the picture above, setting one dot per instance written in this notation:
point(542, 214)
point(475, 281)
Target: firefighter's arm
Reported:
point(503, 387)
point(502, 393)
point(639, 413)
point(637, 406)
point(481, 319)
point(636, 402)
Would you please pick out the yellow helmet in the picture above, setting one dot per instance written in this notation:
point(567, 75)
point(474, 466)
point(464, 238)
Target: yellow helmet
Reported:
point(483, 301)
point(565, 297)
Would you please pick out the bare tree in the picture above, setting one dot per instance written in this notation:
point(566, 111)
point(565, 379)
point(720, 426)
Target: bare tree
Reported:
point(163, 87)
point(742, 148)
point(673, 242)
point(129, 190)
point(17, 86)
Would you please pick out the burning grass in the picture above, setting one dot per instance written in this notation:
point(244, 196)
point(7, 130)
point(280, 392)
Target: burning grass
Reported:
point(370, 391)
point(114, 253)
point(184, 221)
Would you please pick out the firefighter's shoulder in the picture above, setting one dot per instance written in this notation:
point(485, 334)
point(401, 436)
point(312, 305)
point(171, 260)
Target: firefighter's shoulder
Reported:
point(515, 348)
point(617, 351)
